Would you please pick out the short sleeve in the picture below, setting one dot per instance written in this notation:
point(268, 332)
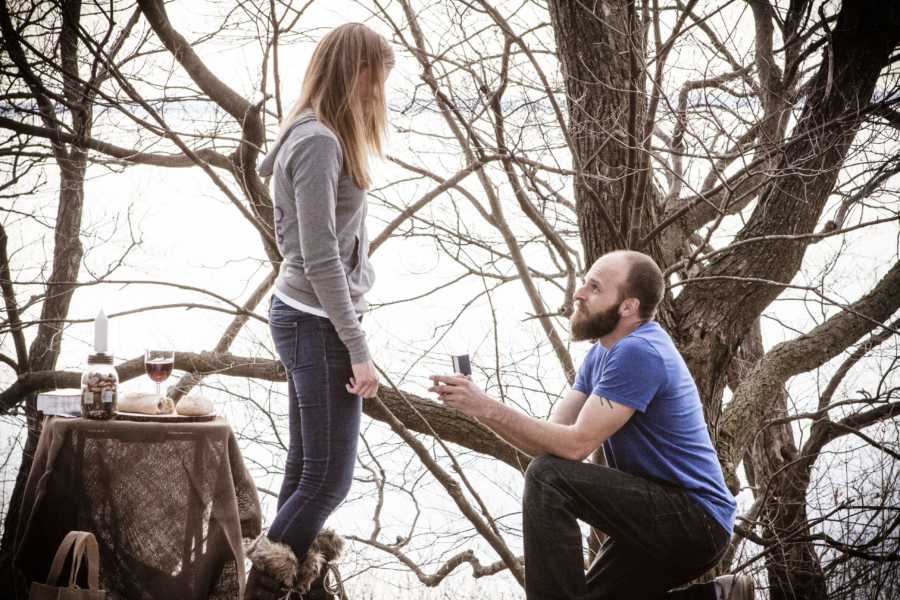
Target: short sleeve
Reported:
point(632, 374)
point(584, 379)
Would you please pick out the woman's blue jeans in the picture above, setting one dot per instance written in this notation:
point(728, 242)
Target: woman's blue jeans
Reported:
point(323, 419)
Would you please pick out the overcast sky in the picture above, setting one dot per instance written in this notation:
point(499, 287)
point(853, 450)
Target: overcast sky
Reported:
point(191, 235)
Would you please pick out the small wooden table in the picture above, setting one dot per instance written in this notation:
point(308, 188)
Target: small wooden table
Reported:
point(168, 503)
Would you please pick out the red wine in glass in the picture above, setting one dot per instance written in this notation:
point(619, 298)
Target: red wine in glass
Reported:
point(159, 370)
point(159, 365)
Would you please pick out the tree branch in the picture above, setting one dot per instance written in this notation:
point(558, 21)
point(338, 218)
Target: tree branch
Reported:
point(246, 114)
point(450, 425)
point(719, 314)
point(128, 155)
point(751, 404)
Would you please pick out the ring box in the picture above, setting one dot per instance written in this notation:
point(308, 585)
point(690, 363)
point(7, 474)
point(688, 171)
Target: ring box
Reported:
point(462, 365)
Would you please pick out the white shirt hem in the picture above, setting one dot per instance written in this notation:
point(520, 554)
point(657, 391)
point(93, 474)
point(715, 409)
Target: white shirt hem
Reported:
point(299, 305)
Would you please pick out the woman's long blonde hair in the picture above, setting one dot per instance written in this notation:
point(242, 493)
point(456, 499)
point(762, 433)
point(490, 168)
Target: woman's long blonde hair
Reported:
point(333, 90)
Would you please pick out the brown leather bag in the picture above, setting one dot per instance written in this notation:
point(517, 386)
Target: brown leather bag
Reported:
point(80, 542)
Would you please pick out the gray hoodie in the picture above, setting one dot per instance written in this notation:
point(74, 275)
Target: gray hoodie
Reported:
point(320, 228)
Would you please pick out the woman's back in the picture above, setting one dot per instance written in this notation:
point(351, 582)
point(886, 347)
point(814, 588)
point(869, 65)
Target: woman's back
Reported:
point(318, 209)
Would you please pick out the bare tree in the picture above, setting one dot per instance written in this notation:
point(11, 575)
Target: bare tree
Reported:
point(67, 107)
point(540, 136)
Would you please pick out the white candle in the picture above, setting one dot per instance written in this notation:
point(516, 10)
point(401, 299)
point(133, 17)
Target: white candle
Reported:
point(101, 333)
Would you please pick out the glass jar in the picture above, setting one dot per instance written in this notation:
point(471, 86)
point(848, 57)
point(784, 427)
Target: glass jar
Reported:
point(99, 388)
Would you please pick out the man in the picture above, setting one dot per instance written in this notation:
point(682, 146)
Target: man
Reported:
point(662, 501)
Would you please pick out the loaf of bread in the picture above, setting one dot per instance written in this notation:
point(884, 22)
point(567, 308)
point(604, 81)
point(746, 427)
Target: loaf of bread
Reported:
point(145, 403)
point(194, 406)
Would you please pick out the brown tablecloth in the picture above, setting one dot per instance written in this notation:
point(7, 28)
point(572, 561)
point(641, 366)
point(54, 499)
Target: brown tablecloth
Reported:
point(168, 503)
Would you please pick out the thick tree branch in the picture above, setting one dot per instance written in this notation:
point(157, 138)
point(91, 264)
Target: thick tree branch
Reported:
point(12, 308)
point(187, 382)
point(128, 155)
point(236, 105)
point(452, 426)
point(718, 314)
point(793, 202)
point(751, 405)
point(246, 114)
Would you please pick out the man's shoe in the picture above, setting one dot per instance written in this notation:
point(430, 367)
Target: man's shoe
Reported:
point(734, 587)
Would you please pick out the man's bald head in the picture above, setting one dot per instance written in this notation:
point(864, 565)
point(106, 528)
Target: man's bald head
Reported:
point(638, 277)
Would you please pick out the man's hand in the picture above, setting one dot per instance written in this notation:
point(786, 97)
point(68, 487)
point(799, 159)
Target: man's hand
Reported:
point(364, 381)
point(458, 391)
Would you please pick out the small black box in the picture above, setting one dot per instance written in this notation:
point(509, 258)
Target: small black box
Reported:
point(461, 364)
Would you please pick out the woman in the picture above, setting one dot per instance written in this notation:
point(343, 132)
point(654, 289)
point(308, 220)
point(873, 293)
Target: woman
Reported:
point(321, 173)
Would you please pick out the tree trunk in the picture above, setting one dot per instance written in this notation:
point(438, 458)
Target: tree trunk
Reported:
point(718, 313)
point(599, 46)
point(67, 251)
point(793, 566)
point(44, 350)
point(602, 57)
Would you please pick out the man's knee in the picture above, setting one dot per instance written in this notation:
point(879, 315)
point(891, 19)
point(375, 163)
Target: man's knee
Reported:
point(542, 471)
point(546, 465)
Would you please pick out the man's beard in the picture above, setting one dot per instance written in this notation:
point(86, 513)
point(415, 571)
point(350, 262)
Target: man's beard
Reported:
point(594, 326)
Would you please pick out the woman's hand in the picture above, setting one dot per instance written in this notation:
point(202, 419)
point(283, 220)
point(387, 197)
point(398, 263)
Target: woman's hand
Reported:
point(459, 392)
point(364, 381)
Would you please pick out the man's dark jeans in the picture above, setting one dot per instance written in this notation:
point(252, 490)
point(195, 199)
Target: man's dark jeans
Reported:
point(323, 420)
point(659, 537)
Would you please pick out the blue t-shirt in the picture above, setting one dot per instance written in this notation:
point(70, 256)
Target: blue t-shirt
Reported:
point(666, 439)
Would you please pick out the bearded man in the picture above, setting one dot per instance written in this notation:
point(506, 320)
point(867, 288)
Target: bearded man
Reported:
point(662, 500)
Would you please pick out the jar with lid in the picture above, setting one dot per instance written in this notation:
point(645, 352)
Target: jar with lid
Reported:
point(99, 388)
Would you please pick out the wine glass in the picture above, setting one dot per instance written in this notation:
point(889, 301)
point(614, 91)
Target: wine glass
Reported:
point(159, 365)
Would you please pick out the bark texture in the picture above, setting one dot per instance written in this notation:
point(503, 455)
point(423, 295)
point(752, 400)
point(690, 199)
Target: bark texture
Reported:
point(67, 248)
point(792, 178)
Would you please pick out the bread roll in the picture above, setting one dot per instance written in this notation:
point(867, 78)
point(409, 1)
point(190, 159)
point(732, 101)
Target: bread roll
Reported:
point(194, 406)
point(146, 404)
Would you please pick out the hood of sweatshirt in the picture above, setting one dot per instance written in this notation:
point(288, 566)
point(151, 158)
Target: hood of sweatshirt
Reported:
point(266, 166)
